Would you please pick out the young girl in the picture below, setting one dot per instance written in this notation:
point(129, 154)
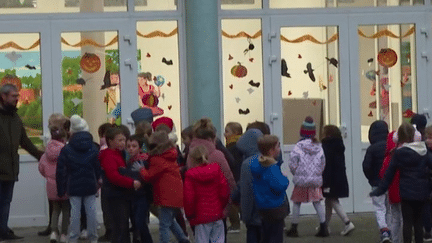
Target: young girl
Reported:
point(47, 168)
point(206, 194)
point(307, 164)
point(117, 188)
point(335, 182)
point(412, 160)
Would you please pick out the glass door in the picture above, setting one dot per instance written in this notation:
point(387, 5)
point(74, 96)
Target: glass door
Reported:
point(388, 62)
point(310, 76)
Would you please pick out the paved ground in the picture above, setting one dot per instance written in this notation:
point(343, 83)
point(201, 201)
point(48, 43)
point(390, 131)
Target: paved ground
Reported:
point(366, 231)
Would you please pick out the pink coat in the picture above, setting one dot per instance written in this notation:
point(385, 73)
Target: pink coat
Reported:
point(48, 167)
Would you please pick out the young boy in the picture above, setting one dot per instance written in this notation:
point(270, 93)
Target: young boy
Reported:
point(269, 185)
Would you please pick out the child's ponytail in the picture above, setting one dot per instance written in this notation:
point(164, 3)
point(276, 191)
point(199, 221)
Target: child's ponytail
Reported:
point(199, 155)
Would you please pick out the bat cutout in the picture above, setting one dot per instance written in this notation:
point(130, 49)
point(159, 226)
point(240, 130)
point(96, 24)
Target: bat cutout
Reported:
point(333, 61)
point(252, 83)
point(107, 81)
point(244, 112)
point(81, 81)
point(309, 71)
point(167, 62)
point(284, 69)
point(30, 67)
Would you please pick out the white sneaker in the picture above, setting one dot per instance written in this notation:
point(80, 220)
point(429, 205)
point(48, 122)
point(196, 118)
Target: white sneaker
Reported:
point(84, 235)
point(63, 238)
point(348, 228)
point(53, 237)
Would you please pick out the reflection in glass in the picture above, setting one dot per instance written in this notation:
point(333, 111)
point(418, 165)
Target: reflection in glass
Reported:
point(342, 3)
point(310, 78)
point(152, 5)
point(387, 74)
point(20, 65)
point(241, 4)
point(243, 93)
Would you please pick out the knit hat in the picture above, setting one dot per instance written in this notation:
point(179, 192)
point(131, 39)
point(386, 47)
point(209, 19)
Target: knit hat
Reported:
point(308, 129)
point(142, 114)
point(78, 124)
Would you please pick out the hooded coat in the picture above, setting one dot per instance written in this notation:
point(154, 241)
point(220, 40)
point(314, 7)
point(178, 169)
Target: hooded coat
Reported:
point(307, 164)
point(247, 144)
point(206, 194)
point(413, 161)
point(269, 183)
point(48, 168)
point(78, 168)
point(375, 153)
point(334, 175)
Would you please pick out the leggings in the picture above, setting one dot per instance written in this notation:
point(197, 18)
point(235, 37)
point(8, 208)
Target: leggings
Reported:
point(412, 216)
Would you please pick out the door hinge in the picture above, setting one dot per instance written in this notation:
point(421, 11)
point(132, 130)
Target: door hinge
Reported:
point(271, 35)
point(272, 59)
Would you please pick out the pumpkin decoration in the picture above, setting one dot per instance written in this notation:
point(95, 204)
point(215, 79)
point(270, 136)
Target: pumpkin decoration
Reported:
point(11, 79)
point(150, 100)
point(239, 71)
point(90, 62)
point(387, 57)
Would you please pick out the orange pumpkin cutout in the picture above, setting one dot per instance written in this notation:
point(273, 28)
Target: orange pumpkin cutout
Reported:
point(11, 79)
point(239, 71)
point(387, 57)
point(90, 63)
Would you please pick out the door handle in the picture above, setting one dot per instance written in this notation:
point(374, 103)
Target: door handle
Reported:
point(344, 130)
point(274, 117)
point(128, 62)
point(425, 55)
point(272, 59)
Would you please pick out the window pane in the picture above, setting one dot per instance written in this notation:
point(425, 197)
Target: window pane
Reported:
point(158, 80)
point(243, 92)
point(241, 4)
point(158, 5)
point(90, 71)
point(342, 3)
point(387, 75)
point(310, 78)
point(20, 65)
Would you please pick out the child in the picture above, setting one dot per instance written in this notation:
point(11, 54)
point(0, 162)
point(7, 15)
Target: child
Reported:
point(233, 131)
point(78, 172)
point(141, 198)
point(307, 164)
point(47, 168)
point(206, 195)
point(117, 188)
point(163, 173)
point(335, 182)
point(412, 160)
point(372, 164)
point(269, 189)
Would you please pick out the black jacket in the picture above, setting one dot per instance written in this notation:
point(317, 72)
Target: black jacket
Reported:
point(78, 168)
point(413, 161)
point(335, 182)
point(238, 160)
point(375, 153)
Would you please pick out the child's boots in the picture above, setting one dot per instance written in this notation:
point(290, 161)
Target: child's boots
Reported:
point(293, 231)
point(323, 230)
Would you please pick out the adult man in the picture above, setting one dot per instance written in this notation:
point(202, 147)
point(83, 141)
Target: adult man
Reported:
point(13, 135)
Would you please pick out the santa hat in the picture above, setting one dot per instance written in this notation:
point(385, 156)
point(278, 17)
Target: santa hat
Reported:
point(168, 122)
point(78, 124)
point(308, 129)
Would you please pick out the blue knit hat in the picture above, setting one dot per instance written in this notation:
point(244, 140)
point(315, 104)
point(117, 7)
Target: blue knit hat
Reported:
point(142, 114)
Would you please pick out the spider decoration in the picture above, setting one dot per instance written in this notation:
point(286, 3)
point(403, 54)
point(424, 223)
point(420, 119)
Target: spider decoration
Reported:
point(250, 47)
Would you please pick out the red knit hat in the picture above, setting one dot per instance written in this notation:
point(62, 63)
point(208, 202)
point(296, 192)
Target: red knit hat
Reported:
point(163, 121)
point(308, 129)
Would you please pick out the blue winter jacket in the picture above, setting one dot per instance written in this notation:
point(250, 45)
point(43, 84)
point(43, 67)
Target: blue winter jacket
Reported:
point(78, 168)
point(269, 183)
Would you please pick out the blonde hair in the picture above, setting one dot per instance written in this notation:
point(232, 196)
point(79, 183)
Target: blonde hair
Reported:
point(199, 155)
point(57, 119)
point(406, 133)
point(235, 128)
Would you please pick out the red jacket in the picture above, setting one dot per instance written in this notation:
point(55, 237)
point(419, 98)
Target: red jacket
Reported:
point(164, 175)
point(206, 194)
point(111, 160)
point(393, 191)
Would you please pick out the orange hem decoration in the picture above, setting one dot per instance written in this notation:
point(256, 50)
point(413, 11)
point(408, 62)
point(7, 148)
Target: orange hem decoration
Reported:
point(387, 33)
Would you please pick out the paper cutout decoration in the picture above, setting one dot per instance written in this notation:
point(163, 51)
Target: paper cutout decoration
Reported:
point(387, 57)
point(148, 55)
point(169, 107)
point(244, 112)
point(230, 57)
point(163, 96)
point(169, 84)
point(81, 81)
point(30, 67)
point(237, 99)
point(150, 100)
point(305, 94)
point(408, 113)
point(309, 71)
point(370, 114)
point(250, 90)
point(250, 46)
point(13, 56)
point(231, 86)
point(251, 59)
point(370, 60)
point(314, 103)
point(284, 69)
point(167, 62)
point(373, 104)
point(321, 84)
point(107, 81)
point(333, 61)
point(76, 101)
point(330, 78)
point(299, 56)
point(90, 62)
point(371, 75)
point(289, 93)
point(239, 70)
point(159, 81)
point(256, 85)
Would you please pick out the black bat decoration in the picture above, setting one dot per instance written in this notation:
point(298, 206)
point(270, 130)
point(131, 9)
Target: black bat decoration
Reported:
point(107, 81)
point(284, 69)
point(81, 81)
point(370, 60)
point(252, 83)
point(333, 61)
point(30, 67)
point(244, 112)
point(309, 70)
point(167, 62)
point(250, 46)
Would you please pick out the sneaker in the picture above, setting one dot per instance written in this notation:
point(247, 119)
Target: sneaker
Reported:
point(348, 228)
point(53, 237)
point(427, 237)
point(84, 235)
point(63, 238)
point(385, 236)
point(233, 230)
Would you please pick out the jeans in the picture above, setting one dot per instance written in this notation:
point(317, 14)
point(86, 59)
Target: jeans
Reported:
point(167, 223)
point(90, 208)
point(6, 193)
point(272, 231)
point(212, 232)
point(253, 233)
point(140, 209)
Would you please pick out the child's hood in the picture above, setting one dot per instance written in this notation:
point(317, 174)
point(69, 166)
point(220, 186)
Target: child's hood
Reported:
point(53, 149)
point(378, 131)
point(170, 154)
point(309, 147)
point(247, 143)
point(205, 173)
point(418, 147)
point(81, 141)
point(209, 145)
point(263, 163)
